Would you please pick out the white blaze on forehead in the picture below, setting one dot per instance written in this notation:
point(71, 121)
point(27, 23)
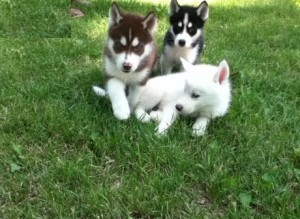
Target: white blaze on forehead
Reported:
point(129, 34)
point(186, 19)
point(123, 41)
point(135, 42)
point(190, 24)
point(179, 24)
point(184, 34)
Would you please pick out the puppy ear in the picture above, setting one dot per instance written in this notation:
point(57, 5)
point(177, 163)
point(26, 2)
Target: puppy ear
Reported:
point(115, 15)
point(223, 72)
point(174, 7)
point(186, 65)
point(150, 22)
point(203, 10)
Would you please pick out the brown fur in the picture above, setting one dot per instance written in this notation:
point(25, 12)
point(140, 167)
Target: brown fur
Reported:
point(133, 22)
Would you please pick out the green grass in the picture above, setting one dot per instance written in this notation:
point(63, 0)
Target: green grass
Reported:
point(64, 155)
point(35, 18)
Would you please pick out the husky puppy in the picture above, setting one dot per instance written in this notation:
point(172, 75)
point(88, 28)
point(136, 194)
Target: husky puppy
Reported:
point(202, 91)
point(185, 36)
point(130, 54)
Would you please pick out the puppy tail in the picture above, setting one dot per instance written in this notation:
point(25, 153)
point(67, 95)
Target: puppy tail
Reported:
point(99, 91)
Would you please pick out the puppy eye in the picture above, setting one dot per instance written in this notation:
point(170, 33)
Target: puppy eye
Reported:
point(195, 95)
point(192, 30)
point(139, 46)
point(118, 45)
point(176, 28)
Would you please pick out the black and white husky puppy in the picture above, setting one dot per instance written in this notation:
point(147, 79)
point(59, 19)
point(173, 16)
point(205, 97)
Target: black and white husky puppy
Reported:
point(185, 36)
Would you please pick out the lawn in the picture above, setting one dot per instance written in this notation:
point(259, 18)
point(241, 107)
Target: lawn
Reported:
point(64, 155)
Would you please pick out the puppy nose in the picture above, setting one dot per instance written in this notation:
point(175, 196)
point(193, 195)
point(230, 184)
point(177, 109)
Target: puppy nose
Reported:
point(181, 43)
point(127, 66)
point(179, 107)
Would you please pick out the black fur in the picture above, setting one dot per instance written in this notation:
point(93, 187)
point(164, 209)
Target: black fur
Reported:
point(197, 16)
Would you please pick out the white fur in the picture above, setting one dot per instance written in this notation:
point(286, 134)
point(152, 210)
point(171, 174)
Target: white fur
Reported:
point(116, 92)
point(128, 78)
point(210, 82)
point(176, 89)
point(172, 53)
point(135, 42)
point(130, 34)
point(123, 41)
point(99, 91)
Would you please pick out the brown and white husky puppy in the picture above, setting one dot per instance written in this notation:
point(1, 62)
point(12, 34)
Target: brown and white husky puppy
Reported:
point(130, 54)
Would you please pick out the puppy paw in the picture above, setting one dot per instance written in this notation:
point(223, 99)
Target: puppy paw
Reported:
point(199, 132)
point(122, 114)
point(145, 118)
point(156, 115)
point(199, 127)
point(99, 91)
point(161, 131)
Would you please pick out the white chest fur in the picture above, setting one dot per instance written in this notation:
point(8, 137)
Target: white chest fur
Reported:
point(127, 78)
point(174, 53)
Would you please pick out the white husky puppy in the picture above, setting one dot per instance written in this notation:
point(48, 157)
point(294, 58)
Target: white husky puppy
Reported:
point(202, 91)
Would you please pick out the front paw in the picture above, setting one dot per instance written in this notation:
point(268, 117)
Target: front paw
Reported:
point(199, 129)
point(122, 114)
point(145, 118)
point(200, 126)
point(198, 132)
point(156, 115)
point(160, 133)
point(161, 130)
